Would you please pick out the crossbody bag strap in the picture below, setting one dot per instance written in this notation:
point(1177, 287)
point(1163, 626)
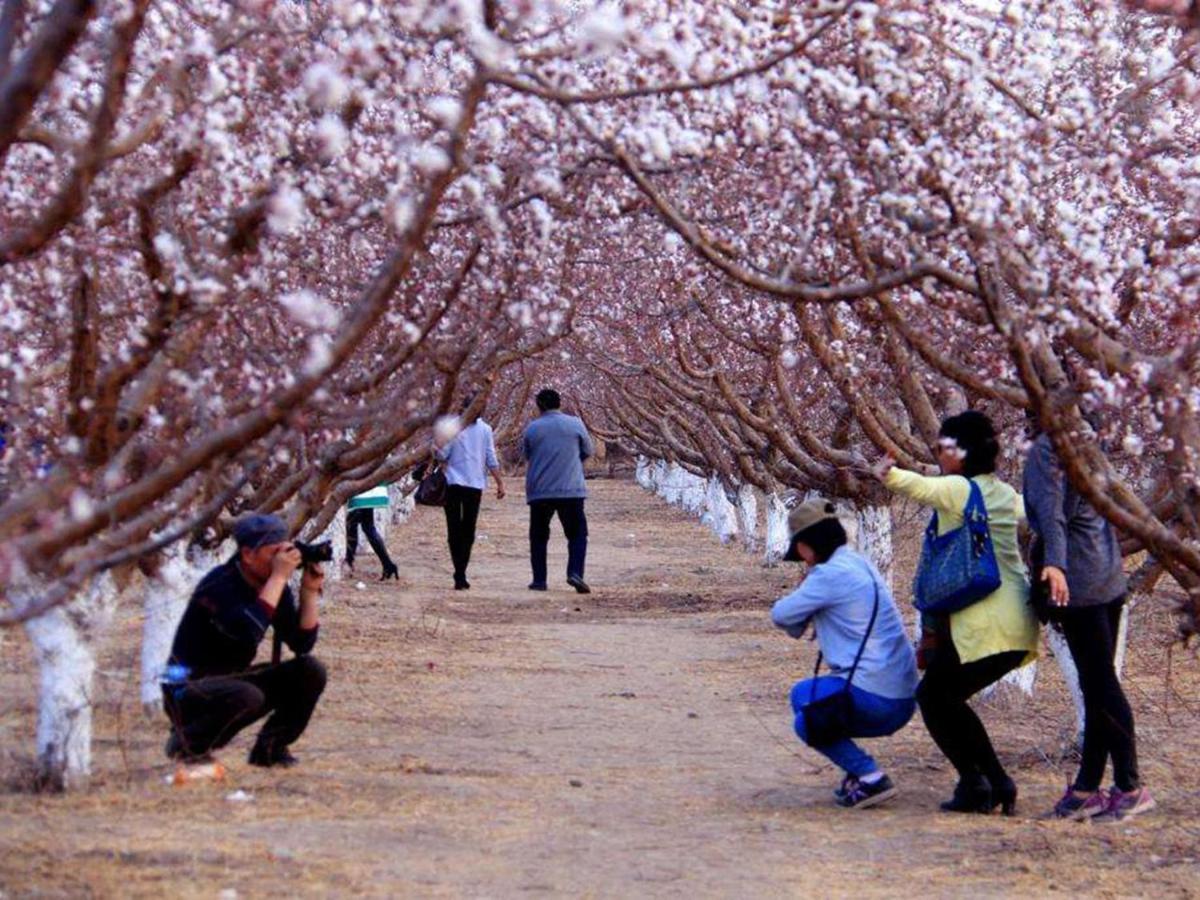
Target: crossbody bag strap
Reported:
point(861, 647)
point(867, 636)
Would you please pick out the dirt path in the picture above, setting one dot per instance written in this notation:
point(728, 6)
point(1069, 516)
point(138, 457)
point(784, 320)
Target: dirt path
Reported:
point(634, 742)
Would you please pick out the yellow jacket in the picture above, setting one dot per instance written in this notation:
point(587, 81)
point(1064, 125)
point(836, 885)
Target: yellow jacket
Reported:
point(1003, 620)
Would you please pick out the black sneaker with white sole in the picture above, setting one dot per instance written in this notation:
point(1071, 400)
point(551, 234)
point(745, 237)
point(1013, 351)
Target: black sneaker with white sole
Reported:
point(861, 795)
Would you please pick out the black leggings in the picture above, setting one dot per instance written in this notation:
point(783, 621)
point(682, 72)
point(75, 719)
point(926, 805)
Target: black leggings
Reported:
point(364, 518)
point(953, 725)
point(1091, 633)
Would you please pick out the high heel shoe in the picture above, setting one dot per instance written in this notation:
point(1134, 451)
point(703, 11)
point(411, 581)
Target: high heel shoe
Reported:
point(390, 571)
point(970, 796)
point(1004, 795)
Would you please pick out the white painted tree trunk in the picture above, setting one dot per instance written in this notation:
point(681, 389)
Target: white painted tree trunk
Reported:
point(875, 539)
point(401, 498)
point(719, 513)
point(777, 530)
point(166, 597)
point(643, 473)
point(1062, 654)
point(335, 533)
point(747, 511)
point(64, 641)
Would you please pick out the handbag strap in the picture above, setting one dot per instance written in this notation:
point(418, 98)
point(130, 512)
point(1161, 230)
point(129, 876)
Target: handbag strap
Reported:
point(861, 647)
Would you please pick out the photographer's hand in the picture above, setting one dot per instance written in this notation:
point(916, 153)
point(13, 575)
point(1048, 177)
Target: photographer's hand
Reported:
point(283, 564)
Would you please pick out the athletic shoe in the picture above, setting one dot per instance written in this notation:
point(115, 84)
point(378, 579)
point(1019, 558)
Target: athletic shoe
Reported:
point(1080, 807)
point(1127, 804)
point(848, 784)
point(579, 584)
point(861, 795)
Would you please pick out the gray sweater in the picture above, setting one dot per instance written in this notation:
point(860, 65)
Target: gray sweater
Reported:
point(555, 445)
point(1074, 537)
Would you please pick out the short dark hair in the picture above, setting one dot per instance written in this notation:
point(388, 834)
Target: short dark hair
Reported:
point(975, 434)
point(548, 399)
point(824, 538)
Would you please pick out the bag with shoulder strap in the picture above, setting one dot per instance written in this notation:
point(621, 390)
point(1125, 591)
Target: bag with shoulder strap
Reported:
point(828, 719)
point(957, 568)
point(431, 490)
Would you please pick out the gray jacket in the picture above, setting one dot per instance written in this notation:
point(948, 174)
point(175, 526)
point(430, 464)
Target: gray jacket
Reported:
point(555, 445)
point(1074, 537)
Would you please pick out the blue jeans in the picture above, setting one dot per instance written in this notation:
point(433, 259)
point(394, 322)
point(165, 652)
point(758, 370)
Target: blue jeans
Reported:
point(874, 716)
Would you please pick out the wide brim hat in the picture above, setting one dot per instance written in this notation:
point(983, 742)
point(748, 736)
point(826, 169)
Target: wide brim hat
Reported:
point(805, 516)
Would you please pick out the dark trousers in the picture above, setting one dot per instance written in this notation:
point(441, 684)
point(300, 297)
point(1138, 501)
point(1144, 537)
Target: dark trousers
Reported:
point(206, 713)
point(1091, 633)
point(953, 725)
point(574, 525)
point(462, 512)
point(364, 519)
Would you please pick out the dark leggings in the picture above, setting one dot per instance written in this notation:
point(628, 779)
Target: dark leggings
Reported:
point(365, 519)
point(953, 725)
point(1091, 633)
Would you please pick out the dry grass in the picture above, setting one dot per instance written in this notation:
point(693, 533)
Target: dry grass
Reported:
point(632, 742)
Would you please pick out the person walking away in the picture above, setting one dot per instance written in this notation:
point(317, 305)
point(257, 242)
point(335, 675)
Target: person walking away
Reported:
point(360, 513)
point(970, 649)
point(555, 446)
point(862, 640)
point(469, 456)
point(1077, 564)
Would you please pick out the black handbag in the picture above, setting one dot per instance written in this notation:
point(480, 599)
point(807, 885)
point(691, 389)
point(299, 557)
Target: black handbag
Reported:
point(431, 490)
point(828, 719)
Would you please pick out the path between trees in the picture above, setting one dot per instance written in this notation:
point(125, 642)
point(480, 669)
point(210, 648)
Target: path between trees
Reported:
point(500, 742)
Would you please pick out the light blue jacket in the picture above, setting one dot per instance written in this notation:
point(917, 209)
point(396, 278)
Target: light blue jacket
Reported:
point(470, 456)
point(837, 596)
point(555, 445)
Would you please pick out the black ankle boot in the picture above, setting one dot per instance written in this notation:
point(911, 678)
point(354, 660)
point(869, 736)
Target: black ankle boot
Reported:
point(1004, 794)
point(971, 795)
point(390, 571)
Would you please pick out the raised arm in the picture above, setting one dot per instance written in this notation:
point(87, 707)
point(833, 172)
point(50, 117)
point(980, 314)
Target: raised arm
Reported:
point(945, 493)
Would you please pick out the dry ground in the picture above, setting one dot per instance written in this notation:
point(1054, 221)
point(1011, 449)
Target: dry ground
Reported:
point(635, 742)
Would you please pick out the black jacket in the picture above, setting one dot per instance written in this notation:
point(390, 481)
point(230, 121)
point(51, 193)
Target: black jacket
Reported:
point(224, 623)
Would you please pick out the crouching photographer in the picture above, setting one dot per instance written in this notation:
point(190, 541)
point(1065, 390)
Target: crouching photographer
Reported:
point(211, 689)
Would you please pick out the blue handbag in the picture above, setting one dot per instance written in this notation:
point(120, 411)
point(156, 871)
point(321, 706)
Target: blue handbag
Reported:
point(957, 568)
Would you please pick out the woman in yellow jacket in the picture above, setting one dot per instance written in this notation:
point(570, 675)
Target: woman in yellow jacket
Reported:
point(978, 645)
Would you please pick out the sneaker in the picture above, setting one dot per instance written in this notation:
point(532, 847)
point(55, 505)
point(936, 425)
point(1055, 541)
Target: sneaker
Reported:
point(1127, 804)
point(537, 585)
point(861, 795)
point(577, 582)
point(1080, 807)
point(848, 784)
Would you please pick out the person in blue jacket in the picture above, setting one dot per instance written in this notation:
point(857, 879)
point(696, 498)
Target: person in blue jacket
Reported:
point(837, 598)
point(555, 446)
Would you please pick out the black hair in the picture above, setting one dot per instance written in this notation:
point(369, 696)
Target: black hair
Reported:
point(975, 434)
point(548, 399)
point(824, 537)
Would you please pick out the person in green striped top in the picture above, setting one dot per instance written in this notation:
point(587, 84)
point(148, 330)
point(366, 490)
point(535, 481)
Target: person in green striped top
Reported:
point(361, 514)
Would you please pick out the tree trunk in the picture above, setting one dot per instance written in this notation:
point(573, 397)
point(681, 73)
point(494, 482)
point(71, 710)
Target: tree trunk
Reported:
point(875, 539)
point(777, 530)
point(64, 641)
point(747, 509)
point(167, 595)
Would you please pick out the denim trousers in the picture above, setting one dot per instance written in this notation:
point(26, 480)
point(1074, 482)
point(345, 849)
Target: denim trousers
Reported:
point(874, 716)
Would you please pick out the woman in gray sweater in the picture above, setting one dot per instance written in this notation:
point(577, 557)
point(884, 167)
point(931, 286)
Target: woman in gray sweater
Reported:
point(1077, 567)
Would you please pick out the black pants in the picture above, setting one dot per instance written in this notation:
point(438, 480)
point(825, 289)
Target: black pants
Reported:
point(574, 525)
point(462, 513)
point(953, 725)
point(206, 713)
point(1091, 633)
point(364, 519)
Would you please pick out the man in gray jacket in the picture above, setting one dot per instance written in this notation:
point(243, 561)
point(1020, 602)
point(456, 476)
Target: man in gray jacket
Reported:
point(555, 446)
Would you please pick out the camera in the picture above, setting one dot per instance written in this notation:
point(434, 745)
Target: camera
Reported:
point(312, 553)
